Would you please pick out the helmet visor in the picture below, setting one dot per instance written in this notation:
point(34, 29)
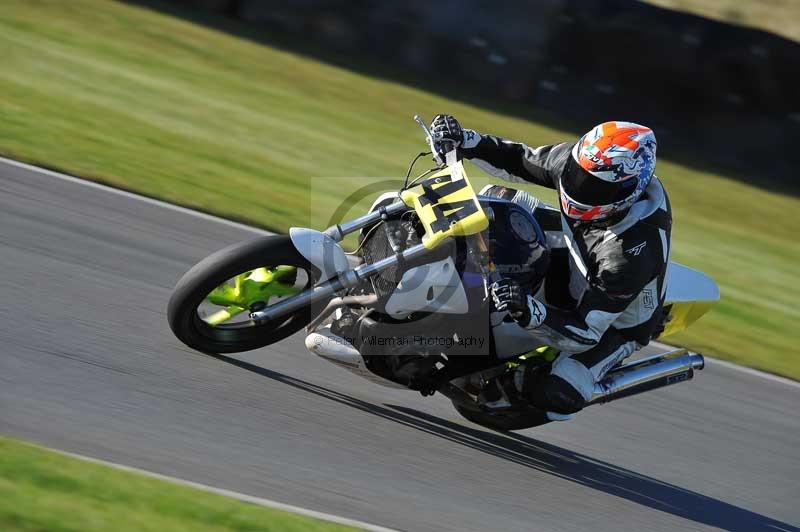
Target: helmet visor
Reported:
point(583, 187)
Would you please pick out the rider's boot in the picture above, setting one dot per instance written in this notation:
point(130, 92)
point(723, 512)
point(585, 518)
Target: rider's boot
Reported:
point(344, 325)
point(530, 384)
point(504, 391)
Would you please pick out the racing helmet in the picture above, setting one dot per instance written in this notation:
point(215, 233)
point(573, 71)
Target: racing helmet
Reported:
point(608, 171)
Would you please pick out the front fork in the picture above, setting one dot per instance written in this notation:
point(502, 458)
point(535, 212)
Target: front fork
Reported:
point(344, 279)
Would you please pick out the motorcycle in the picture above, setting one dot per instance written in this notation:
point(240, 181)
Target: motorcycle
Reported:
point(410, 307)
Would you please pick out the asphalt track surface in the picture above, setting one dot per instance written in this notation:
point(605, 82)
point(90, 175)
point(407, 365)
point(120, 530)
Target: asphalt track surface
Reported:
point(88, 365)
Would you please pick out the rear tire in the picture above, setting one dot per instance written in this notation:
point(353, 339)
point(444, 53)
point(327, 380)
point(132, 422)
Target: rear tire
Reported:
point(216, 269)
point(515, 420)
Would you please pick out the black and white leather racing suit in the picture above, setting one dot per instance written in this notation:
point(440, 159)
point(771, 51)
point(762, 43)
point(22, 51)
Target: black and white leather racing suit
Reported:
point(605, 289)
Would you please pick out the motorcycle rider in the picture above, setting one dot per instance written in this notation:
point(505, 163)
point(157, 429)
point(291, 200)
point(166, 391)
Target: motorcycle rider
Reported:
point(610, 241)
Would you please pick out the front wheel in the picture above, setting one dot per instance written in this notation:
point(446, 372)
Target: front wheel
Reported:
point(210, 307)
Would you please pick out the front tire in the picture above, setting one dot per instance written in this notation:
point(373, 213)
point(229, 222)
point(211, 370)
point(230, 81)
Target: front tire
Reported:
point(215, 270)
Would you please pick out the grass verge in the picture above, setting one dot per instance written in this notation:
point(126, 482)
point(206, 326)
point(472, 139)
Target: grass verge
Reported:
point(44, 490)
point(781, 17)
point(147, 102)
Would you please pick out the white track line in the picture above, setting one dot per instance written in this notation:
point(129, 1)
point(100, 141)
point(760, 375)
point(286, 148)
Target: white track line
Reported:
point(235, 495)
point(267, 503)
point(730, 365)
point(753, 372)
point(231, 223)
point(241, 496)
point(131, 195)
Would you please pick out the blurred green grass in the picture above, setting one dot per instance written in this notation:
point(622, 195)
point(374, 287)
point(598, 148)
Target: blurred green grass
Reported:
point(154, 104)
point(41, 490)
point(781, 17)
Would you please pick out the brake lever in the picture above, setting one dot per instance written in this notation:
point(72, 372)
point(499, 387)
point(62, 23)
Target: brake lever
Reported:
point(435, 150)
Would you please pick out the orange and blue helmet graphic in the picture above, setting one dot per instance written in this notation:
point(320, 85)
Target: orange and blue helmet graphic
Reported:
point(615, 151)
point(621, 154)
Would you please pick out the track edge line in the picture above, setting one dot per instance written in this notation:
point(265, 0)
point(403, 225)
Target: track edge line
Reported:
point(171, 206)
point(738, 367)
point(243, 497)
point(132, 195)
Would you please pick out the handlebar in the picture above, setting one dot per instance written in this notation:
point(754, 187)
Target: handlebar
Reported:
point(441, 155)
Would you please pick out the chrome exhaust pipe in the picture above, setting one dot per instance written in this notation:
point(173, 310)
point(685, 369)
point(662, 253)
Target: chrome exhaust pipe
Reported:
point(647, 374)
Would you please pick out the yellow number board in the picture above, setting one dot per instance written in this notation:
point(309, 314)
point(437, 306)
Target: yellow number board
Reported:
point(446, 205)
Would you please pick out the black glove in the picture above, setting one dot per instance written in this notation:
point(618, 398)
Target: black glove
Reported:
point(446, 129)
point(508, 296)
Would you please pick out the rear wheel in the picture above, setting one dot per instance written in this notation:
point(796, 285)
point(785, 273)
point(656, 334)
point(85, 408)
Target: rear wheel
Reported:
point(210, 307)
point(524, 418)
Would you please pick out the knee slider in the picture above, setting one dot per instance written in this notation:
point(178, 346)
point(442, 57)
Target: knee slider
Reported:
point(554, 394)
